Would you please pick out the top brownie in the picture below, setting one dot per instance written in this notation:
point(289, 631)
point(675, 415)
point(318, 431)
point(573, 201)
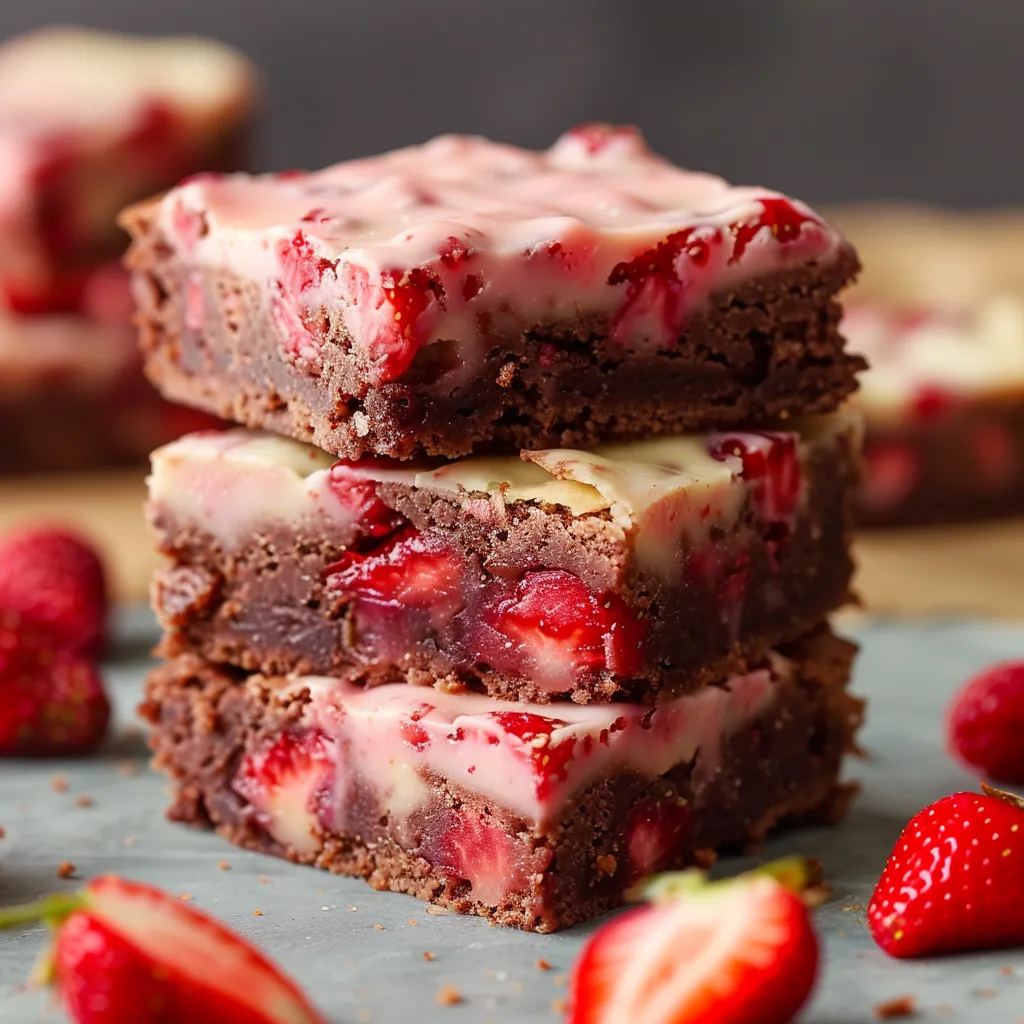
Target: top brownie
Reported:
point(90, 121)
point(464, 295)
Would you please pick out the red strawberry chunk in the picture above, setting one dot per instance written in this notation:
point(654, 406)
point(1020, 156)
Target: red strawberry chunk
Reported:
point(891, 473)
point(770, 461)
point(985, 723)
point(742, 953)
point(780, 216)
point(374, 518)
point(52, 701)
point(657, 833)
point(55, 579)
point(549, 760)
point(955, 879)
point(128, 952)
point(931, 402)
point(551, 627)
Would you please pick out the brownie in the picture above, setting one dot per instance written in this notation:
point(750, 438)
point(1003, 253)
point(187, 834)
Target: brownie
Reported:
point(465, 296)
point(80, 144)
point(633, 572)
point(944, 410)
point(570, 804)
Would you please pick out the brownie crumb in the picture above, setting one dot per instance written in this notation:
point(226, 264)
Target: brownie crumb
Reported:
point(1002, 970)
point(224, 865)
point(558, 1006)
point(413, 922)
point(379, 927)
point(429, 956)
point(263, 879)
point(901, 1006)
point(559, 979)
point(84, 801)
point(127, 769)
point(186, 896)
point(543, 965)
point(60, 784)
point(449, 996)
point(852, 906)
point(986, 993)
point(257, 913)
point(65, 869)
point(606, 865)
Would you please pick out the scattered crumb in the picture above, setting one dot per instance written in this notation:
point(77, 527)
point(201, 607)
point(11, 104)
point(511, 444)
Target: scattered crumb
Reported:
point(543, 965)
point(412, 920)
point(606, 864)
point(325, 908)
point(429, 956)
point(3, 833)
point(129, 840)
point(558, 1006)
point(559, 979)
point(379, 927)
point(84, 801)
point(449, 996)
point(257, 913)
point(224, 865)
point(438, 911)
point(319, 892)
point(841, 935)
point(127, 769)
point(263, 879)
point(60, 784)
point(1002, 970)
point(901, 1006)
point(186, 896)
point(985, 993)
point(852, 906)
point(364, 1014)
point(65, 869)
point(349, 906)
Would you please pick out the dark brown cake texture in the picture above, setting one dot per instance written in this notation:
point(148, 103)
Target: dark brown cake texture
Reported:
point(282, 562)
point(715, 325)
point(252, 758)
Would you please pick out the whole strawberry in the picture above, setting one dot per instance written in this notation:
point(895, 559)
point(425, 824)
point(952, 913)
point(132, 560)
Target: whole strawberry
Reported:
point(985, 723)
point(56, 579)
point(955, 880)
point(742, 951)
point(124, 951)
point(52, 701)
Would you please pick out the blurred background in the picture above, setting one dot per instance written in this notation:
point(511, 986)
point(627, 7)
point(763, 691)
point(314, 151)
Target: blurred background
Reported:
point(828, 99)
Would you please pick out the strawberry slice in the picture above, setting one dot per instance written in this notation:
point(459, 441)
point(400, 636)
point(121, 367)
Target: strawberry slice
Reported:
point(742, 951)
point(125, 951)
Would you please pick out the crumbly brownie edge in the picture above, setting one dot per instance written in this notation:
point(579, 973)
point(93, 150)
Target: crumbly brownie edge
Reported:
point(964, 464)
point(782, 769)
point(265, 609)
point(765, 351)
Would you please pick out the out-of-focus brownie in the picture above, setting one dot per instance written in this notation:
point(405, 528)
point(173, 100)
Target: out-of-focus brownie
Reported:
point(636, 571)
point(467, 296)
point(943, 404)
point(533, 816)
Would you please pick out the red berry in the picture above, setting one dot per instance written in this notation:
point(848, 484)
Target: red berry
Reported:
point(657, 832)
point(125, 951)
point(359, 496)
point(771, 462)
point(55, 578)
point(52, 700)
point(736, 952)
point(931, 402)
point(549, 760)
point(955, 880)
point(985, 723)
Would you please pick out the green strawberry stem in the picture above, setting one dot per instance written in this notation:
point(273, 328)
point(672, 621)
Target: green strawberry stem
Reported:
point(798, 874)
point(52, 909)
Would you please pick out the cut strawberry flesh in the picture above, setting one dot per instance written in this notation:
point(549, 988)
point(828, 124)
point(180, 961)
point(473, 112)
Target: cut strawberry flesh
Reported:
point(286, 785)
point(373, 517)
point(780, 216)
point(133, 953)
point(657, 832)
point(770, 462)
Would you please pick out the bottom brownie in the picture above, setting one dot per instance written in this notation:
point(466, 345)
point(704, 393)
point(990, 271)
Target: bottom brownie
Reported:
point(536, 816)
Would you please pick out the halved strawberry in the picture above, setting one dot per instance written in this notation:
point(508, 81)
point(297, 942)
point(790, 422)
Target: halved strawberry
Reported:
point(285, 783)
point(741, 951)
point(125, 951)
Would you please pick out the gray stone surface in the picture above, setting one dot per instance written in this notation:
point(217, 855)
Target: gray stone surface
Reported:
point(323, 929)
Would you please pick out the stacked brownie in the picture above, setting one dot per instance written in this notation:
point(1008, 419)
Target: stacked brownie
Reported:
point(89, 122)
point(545, 609)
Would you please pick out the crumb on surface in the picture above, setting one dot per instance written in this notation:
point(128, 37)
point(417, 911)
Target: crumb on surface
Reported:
point(436, 911)
point(60, 784)
point(186, 896)
point(263, 879)
point(985, 993)
point(901, 1006)
point(851, 907)
point(379, 927)
point(129, 840)
point(84, 801)
point(559, 979)
point(429, 956)
point(127, 769)
point(449, 996)
point(1002, 970)
point(65, 869)
point(257, 912)
point(3, 832)
point(413, 922)
point(543, 965)
point(223, 865)
point(558, 1006)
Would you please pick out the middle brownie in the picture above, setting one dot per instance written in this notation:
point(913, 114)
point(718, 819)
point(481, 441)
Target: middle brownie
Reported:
point(632, 572)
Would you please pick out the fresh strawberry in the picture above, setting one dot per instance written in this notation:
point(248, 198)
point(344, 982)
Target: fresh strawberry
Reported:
point(741, 951)
point(955, 880)
point(55, 578)
point(985, 722)
point(285, 784)
point(52, 701)
point(125, 951)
